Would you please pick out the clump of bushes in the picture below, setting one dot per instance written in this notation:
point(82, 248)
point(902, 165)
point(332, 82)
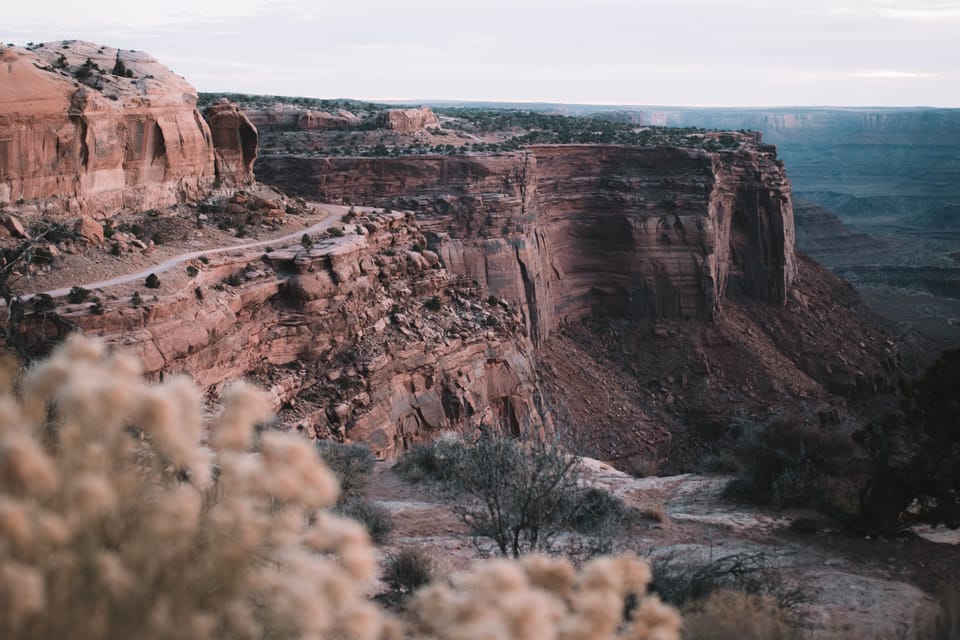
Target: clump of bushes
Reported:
point(107, 504)
point(233, 280)
point(520, 496)
point(434, 304)
point(683, 579)
point(78, 295)
point(353, 464)
point(408, 569)
point(789, 463)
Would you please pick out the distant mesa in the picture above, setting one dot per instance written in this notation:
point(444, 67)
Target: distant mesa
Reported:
point(91, 129)
point(407, 120)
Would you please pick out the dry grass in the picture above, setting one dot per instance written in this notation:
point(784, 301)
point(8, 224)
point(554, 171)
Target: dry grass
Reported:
point(655, 512)
point(734, 615)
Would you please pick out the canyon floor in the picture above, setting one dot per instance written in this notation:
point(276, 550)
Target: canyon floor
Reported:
point(852, 586)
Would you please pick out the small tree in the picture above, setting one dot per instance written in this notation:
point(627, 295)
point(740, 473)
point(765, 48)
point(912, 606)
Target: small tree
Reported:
point(152, 281)
point(306, 241)
point(525, 493)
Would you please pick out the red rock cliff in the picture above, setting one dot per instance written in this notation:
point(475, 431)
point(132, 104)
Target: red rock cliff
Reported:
point(92, 129)
point(566, 229)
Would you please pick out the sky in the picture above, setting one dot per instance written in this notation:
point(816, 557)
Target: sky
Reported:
point(635, 52)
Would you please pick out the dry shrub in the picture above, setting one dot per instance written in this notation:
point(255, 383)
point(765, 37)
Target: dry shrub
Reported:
point(409, 569)
point(116, 521)
point(541, 597)
point(735, 615)
point(655, 512)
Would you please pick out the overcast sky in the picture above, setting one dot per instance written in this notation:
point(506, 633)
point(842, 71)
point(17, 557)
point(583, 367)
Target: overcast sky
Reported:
point(667, 52)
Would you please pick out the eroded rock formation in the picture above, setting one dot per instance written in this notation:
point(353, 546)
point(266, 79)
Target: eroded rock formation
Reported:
point(564, 230)
point(234, 141)
point(406, 120)
point(88, 129)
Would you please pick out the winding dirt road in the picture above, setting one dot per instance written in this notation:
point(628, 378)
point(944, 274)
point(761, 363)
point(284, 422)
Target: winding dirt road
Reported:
point(333, 214)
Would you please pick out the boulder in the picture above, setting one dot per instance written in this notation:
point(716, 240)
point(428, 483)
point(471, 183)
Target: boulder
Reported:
point(89, 230)
point(14, 225)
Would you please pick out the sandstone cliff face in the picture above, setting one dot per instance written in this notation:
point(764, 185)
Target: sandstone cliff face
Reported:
point(235, 144)
point(406, 120)
point(343, 336)
point(92, 130)
point(563, 230)
point(109, 142)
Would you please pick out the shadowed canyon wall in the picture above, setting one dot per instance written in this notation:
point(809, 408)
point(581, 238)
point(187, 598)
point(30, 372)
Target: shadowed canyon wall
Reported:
point(567, 229)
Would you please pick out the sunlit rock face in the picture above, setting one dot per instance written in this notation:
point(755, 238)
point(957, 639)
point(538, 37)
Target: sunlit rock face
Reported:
point(92, 129)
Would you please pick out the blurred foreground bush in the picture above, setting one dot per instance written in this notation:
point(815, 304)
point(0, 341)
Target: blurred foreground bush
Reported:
point(123, 513)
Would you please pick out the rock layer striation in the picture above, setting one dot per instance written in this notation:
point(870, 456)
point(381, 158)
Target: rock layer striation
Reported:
point(564, 230)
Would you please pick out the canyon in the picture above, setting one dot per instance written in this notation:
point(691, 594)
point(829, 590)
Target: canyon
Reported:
point(635, 303)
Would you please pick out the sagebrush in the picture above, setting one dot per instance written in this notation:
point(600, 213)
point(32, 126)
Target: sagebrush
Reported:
point(124, 513)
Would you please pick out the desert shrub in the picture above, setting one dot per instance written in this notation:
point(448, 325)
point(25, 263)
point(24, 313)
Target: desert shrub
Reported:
point(193, 271)
point(682, 579)
point(135, 299)
point(306, 241)
point(336, 232)
point(787, 463)
point(434, 304)
point(408, 569)
point(519, 495)
point(78, 295)
point(116, 522)
point(435, 461)
point(233, 280)
point(544, 597)
point(914, 473)
point(152, 281)
point(594, 509)
point(374, 518)
point(734, 615)
point(115, 249)
point(351, 463)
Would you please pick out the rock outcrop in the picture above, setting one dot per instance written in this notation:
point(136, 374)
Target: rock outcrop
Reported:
point(563, 230)
point(342, 119)
point(91, 130)
point(235, 143)
point(406, 120)
point(359, 338)
point(95, 129)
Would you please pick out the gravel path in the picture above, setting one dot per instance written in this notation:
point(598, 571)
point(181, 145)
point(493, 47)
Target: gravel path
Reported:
point(333, 213)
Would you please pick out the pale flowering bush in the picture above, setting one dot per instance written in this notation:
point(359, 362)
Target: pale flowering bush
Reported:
point(544, 598)
point(117, 521)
